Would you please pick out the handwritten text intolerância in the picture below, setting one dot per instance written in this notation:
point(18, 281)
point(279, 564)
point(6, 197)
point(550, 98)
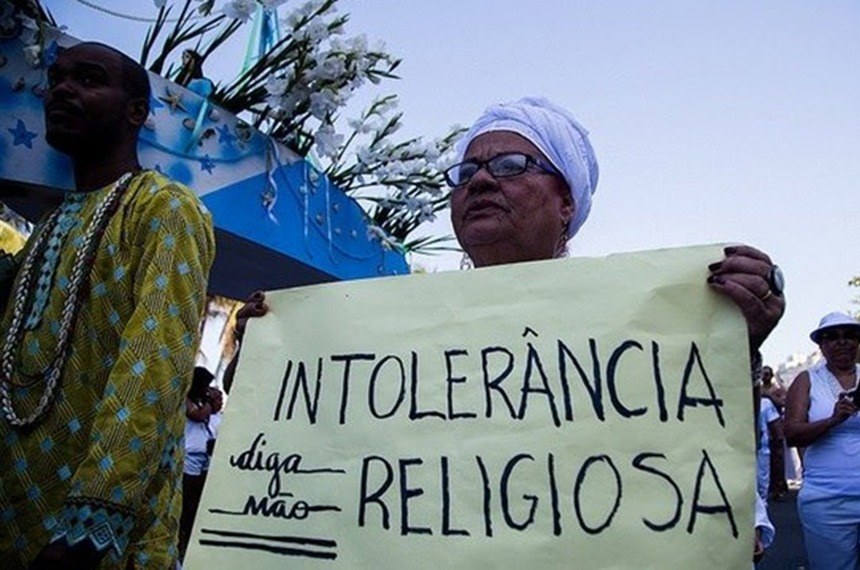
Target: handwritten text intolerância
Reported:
point(497, 381)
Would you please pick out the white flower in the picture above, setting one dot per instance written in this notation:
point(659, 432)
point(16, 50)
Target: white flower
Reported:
point(276, 86)
point(384, 106)
point(356, 82)
point(241, 10)
point(290, 101)
point(412, 204)
point(358, 125)
point(329, 67)
point(426, 214)
point(414, 166)
point(303, 12)
point(376, 233)
point(291, 21)
point(272, 4)
point(446, 160)
point(315, 31)
point(358, 43)
point(395, 169)
point(364, 155)
point(433, 191)
point(33, 54)
point(327, 141)
point(431, 153)
point(309, 8)
point(323, 102)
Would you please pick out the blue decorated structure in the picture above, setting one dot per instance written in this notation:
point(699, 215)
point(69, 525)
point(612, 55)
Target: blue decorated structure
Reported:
point(279, 223)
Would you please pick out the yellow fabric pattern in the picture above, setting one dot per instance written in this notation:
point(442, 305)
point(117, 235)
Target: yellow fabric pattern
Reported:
point(10, 240)
point(105, 464)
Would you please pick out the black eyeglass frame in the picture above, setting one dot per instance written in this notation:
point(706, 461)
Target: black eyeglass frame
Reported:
point(489, 165)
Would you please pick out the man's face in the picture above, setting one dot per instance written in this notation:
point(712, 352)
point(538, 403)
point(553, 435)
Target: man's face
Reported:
point(86, 105)
point(522, 217)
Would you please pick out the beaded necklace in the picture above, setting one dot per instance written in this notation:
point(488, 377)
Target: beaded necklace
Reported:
point(79, 274)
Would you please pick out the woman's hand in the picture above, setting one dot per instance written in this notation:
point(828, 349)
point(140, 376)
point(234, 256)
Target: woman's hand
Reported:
point(197, 412)
point(253, 308)
point(744, 277)
point(216, 399)
point(758, 547)
point(843, 409)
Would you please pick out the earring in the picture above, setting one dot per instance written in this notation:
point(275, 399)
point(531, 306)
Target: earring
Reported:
point(466, 262)
point(561, 250)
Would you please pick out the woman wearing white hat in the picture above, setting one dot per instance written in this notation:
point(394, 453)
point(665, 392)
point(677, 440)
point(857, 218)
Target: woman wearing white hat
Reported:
point(821, 415)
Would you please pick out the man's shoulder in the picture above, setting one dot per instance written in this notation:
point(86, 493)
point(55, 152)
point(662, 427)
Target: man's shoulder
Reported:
point(153, 183)
point(152, 189)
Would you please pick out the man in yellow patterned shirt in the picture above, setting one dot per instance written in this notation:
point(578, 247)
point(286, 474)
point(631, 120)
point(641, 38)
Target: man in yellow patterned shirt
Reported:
point(99, 339)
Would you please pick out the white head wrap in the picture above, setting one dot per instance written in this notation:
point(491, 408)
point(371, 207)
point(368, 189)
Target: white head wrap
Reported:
point(555, 132)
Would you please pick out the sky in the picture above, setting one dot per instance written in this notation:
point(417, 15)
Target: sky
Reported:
point(713, 122)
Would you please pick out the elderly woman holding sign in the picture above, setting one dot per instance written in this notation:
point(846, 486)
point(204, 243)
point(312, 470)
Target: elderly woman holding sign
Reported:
point(522, 188)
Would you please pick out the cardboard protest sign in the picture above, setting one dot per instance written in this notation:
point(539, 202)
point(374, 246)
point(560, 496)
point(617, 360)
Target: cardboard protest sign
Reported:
point(586, 413)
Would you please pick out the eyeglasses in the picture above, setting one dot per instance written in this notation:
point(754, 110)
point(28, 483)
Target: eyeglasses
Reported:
point(832, 336)
point(500, 166)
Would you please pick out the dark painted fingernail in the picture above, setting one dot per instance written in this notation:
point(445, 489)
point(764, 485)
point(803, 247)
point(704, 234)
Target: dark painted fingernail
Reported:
point(715, 279)
point(715, 266)
point(730, 250)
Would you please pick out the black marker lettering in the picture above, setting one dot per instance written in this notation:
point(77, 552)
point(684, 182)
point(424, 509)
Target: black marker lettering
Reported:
point(344, 393)
point(723, 507)
point(503, 494)
point(447, 530)
point(580, 479)
point(611, 367)
point(687, 401)
point(639, 463)
point(533, 363)
point(495, 383)
point(450, 380)
point(371, 387)
point(407, 493)
point(376, 496)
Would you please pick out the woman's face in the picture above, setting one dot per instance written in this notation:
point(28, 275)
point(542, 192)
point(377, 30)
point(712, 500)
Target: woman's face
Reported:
point(517, 218)
point(839, 346)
